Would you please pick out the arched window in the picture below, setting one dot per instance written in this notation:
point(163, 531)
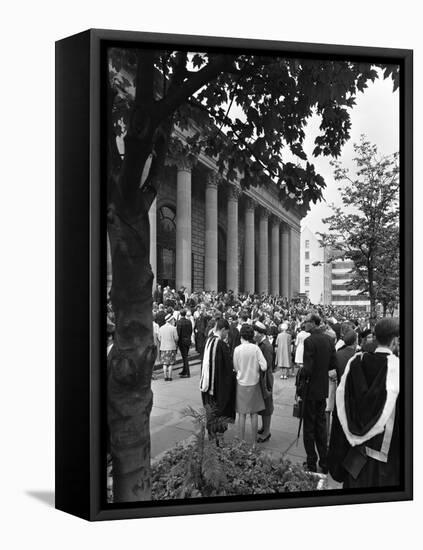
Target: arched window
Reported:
point(166, 246)
point(167, 224)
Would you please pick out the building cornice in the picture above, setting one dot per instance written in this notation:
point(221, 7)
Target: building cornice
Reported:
point(261, 196)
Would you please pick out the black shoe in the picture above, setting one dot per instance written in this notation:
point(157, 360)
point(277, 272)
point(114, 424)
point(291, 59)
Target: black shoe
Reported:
point(260, 431)
point(264, 439)
point(182, 374)
point(324, 469)
point(309, 467)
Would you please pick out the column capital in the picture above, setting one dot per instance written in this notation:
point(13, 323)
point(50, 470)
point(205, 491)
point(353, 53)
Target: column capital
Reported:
point(249, 203)
point(264, 213)
point(213, 179)
point(234, 192)
point(275, 220)
point(183, 164)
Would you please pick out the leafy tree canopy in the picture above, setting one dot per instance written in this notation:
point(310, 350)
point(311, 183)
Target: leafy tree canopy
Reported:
point(243, 110)
point(366, 228)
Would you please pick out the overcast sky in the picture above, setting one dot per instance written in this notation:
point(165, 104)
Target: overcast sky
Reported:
point(376, 115)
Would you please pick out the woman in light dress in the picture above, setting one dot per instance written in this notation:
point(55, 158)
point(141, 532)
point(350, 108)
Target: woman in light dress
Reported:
point(283, 351)
point(248, 361)
point(299, 347)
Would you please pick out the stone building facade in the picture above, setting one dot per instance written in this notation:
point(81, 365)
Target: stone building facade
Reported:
point(206, 233)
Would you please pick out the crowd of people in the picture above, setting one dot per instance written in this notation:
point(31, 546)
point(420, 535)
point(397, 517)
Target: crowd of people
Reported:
point(349, 415)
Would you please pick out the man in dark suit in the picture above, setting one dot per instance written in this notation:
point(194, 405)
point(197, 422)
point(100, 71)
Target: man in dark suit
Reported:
point(184, 328)
point(344, 354)
point(234, 339)
point(266, 380)
point(319, 358)
point(200, 330)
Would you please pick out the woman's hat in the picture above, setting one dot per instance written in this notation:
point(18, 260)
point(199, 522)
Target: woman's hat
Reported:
point(260, 327)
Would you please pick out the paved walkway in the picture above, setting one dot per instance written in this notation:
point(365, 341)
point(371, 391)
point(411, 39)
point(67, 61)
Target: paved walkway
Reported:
point(169, 427)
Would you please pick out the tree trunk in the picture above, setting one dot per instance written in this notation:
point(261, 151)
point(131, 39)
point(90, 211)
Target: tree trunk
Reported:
point(372, 297)
point(131, 360)
point(373, 315)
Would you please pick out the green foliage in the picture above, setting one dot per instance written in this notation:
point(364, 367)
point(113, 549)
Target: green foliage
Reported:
point(203, 469)
point(366, 229)
point(274, 97)
point(231, 469)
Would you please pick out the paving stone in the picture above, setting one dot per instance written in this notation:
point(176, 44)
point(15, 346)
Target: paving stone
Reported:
point(167, 438)
point(169, 427)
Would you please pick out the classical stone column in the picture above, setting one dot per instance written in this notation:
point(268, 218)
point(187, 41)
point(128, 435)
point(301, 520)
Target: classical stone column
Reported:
point(232, 263)
point(275, 259)
point(263, 256)
point(210, 261)
point(285, 261)
point(183, 226)
point(152, 214)
point(295, 242)
point(249, 284)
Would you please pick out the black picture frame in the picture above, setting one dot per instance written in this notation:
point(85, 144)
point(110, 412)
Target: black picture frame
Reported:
point(81, 275)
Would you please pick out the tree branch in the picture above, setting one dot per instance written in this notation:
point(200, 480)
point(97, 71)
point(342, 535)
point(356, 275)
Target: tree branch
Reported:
point(191, 85)
point(151, 184)
point(241, 140)
point(144, 79)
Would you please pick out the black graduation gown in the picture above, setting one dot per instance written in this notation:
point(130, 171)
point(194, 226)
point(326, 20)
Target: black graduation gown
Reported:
point(365, 396)
point(223, 399)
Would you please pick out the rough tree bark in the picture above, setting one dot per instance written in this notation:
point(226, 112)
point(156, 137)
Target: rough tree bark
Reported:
point(131, 360)
point(132, 357)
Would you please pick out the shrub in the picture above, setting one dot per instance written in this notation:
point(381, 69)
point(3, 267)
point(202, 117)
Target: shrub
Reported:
point(203, 469)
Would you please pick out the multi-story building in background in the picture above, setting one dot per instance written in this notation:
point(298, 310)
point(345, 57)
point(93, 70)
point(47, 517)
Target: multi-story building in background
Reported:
point(342, 295)
point(324, 277)
point(315, 271)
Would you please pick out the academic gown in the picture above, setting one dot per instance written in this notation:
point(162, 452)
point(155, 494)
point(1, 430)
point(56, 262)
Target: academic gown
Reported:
point(362, 407)
point(223, 386)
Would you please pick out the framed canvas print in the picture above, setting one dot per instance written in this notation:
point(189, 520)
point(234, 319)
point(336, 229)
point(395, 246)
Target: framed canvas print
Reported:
point(233, 274)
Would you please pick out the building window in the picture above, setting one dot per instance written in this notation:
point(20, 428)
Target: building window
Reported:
point(307, 281)
point(167, 224)
point(307, 268)
point(307, 244)
point(166, 246)
point(307, 293)
point(307, 255)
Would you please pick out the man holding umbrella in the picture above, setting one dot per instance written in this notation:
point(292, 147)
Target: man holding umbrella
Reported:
point(319, 358)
